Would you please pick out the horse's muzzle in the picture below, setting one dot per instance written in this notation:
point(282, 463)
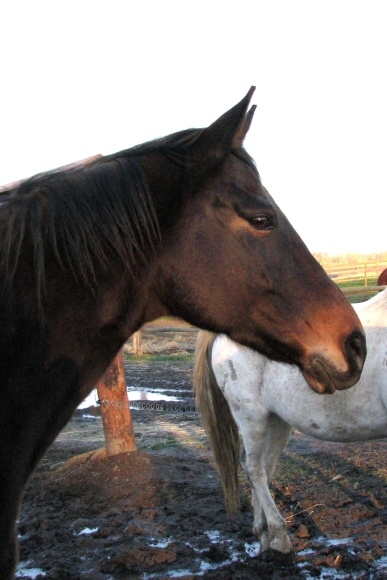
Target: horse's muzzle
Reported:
point(323, 377)
point(356, 349)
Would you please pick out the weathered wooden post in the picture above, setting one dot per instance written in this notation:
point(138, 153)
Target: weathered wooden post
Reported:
point(137, 343)
point(115, 411)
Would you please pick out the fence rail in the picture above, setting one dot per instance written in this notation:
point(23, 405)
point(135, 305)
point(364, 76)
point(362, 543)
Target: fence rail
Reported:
point(361, 271)
point(162, 329)
point(355, 290)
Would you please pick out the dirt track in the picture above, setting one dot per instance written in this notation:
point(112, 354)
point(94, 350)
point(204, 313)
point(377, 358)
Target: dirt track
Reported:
point(158, 513)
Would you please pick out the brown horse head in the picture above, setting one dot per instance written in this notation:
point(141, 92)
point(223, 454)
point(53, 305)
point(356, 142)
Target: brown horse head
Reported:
point(231, 262)
point(181, 225)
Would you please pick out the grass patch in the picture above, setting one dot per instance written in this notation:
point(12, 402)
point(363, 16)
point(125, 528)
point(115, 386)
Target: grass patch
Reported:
point(357, 282)
point(361, 297)
point(164, 445)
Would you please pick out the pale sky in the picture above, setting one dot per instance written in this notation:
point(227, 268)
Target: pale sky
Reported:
point(85, 77)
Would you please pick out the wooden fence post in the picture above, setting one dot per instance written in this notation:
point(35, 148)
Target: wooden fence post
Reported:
point(137, 343)
point(115, 411)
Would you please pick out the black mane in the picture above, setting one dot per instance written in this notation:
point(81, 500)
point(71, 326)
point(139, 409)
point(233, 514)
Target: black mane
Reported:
point(86, 215)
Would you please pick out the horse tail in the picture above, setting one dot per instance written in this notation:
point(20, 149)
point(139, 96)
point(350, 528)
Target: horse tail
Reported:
point(218, 421)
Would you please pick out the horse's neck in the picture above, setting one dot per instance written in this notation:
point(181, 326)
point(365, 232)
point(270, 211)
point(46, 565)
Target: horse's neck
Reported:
point(164, 180)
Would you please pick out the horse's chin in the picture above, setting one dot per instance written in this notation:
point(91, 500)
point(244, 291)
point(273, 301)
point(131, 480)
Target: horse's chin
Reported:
point(320, 382)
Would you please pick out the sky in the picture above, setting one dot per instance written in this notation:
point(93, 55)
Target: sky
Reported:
point(85, 77)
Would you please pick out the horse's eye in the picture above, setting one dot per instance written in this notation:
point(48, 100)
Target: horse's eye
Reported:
point(262, 222)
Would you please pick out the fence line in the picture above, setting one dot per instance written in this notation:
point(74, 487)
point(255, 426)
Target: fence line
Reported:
point(161, 329)
point(361, 271)
point(354, 290)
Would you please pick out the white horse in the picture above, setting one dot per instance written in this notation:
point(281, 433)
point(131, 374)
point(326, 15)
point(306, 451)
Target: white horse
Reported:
point(237, 388)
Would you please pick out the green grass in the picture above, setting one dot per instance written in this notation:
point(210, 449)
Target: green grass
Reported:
point(361, 297)
point(164, 445)
point(357, 282)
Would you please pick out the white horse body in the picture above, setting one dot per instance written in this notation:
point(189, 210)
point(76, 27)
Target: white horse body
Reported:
point(267, 398)
point(252, 384)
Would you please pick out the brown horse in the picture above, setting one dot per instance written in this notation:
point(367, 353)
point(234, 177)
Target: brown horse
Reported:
point(179, 226)
point(382, 280)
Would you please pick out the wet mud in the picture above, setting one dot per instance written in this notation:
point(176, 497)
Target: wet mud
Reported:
point(159, 512)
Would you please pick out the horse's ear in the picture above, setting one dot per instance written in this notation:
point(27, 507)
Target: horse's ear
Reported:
point(228, 132)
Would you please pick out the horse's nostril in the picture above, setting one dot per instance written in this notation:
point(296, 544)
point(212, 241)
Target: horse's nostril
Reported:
point(356, 349)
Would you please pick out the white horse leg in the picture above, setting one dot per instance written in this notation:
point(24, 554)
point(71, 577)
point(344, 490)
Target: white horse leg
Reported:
point(263, 445)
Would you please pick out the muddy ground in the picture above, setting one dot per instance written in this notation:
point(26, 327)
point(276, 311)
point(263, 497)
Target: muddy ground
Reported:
point(159, 513)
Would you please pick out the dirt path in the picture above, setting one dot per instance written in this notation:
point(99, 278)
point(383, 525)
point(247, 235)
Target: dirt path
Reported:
point(158, 513)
